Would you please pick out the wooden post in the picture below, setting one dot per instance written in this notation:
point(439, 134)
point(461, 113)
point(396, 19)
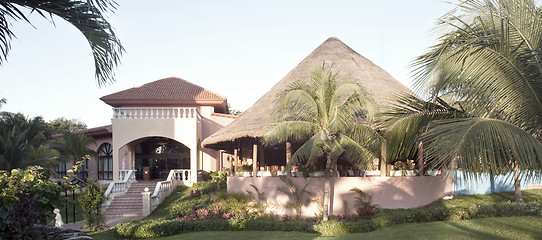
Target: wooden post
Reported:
point(288, 157)
point(236, 160)
point(383, 160)
point(231, 165)
point(421, 162)
point(254, 160)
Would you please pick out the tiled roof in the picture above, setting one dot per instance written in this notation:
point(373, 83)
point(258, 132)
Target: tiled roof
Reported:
point(170, 89)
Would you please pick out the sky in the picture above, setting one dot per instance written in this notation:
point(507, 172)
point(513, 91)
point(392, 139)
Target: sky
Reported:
point(238, 49)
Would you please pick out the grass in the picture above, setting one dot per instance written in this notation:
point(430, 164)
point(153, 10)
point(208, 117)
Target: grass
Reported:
point(470, 200)
point(165, 209)
point(486, 228)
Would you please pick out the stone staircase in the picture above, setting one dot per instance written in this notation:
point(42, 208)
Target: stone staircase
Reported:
point(129, 205)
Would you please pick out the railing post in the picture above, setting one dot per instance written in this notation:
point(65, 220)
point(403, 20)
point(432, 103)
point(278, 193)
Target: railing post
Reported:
point(146, 195)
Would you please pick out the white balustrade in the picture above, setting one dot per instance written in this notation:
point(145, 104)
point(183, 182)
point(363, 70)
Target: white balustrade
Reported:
point(119, 187)
point(163, 189)
point(155, 112)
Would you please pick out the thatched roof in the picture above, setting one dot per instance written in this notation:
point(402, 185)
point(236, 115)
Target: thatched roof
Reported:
point(343, 60)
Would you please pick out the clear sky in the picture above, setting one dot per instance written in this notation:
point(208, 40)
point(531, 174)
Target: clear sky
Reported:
point(238, 49)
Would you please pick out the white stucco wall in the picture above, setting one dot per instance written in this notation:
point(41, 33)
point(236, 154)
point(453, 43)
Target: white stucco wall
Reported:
point(183, 130)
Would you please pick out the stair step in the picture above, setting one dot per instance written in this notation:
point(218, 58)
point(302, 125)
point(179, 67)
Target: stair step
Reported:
point(127, 214)
point(129, 204)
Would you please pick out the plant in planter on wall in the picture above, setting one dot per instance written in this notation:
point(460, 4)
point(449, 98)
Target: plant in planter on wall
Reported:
point(403, 168)
point(244, 170)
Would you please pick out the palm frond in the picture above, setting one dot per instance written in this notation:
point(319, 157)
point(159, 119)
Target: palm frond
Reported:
point(490, 58)
point(86, 16)
point(482, 145)
point(354, 152)
point(295, 131)
point(408, 118)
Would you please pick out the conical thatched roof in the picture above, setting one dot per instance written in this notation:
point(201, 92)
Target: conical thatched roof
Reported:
point(343, 60)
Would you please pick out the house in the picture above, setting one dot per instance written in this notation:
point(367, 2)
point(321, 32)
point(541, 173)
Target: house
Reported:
point(157, 127)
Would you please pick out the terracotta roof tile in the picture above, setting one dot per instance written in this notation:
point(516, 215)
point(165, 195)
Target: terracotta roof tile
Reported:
point(168, 89)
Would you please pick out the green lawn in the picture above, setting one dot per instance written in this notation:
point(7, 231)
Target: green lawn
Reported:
point(486, 228)
point(469, 200)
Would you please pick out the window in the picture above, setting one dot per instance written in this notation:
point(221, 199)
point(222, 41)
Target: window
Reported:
point(60, 169)
point(105, 162)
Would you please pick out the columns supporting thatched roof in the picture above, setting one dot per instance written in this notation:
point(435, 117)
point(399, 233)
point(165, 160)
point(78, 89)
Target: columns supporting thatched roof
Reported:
point(253, 123)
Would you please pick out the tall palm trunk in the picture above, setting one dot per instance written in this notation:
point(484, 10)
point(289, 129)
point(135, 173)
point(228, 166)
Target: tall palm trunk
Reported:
point(517, 184)
point(327, 197)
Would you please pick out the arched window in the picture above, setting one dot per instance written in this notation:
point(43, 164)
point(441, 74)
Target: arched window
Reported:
point(105, 162)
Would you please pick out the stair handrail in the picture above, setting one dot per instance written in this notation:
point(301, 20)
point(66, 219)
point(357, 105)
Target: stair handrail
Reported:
point(119, 187)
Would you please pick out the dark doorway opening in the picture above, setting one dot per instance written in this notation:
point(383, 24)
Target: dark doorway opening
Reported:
point(156, 156)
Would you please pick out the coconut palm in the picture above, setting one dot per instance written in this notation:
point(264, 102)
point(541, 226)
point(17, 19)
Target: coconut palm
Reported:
point(488, 57)
point(321, 114)
point(86, 15)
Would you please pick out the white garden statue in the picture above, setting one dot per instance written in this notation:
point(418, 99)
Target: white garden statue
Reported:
point(58, 218)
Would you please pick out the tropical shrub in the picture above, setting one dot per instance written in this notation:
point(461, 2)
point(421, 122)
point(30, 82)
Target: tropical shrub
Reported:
point(296, 195)
point(91, 202)
point(162, 228)
point(364, 207)
point(333, 228)
point(26, 197)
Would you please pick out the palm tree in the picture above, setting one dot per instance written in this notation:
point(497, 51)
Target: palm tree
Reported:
point(489, 58)
point(86, 15)
point(321, 113)
point(19, 137)
point(74, 147)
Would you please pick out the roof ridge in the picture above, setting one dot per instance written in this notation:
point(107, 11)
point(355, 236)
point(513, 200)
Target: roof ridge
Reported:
point(172, 89)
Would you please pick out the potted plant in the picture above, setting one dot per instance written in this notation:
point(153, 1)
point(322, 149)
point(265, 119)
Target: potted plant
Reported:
point(403, 168)
point(244, 170)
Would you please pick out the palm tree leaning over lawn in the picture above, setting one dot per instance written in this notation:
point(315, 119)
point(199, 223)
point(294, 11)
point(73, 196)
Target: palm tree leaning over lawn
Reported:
point(321, 113)
point(490, 59)
point(86, 15)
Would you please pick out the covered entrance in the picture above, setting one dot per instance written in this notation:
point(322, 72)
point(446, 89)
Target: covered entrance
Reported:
point(156, 156)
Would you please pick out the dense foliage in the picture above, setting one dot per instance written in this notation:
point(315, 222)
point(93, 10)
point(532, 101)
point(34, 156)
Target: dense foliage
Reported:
point(91, 202)
point(26, 197)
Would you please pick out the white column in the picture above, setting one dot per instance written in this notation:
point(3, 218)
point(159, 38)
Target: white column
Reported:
point(146, 195)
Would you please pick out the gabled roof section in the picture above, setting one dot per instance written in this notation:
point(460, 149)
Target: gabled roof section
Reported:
point(172, 91)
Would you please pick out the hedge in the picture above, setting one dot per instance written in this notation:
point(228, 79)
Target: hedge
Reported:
point(385, 218)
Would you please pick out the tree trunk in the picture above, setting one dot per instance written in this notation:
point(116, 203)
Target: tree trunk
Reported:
point(421, 162)
point(383, 160)
point(288, 157)
point(255, 166)
point(517, 184)
point(327, 197)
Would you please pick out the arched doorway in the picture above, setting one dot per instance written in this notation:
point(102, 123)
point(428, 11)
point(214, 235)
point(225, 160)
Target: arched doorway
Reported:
point(159, 155)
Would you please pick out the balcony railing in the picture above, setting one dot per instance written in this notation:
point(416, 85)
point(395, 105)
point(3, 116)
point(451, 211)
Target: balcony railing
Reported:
point(155, 112)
